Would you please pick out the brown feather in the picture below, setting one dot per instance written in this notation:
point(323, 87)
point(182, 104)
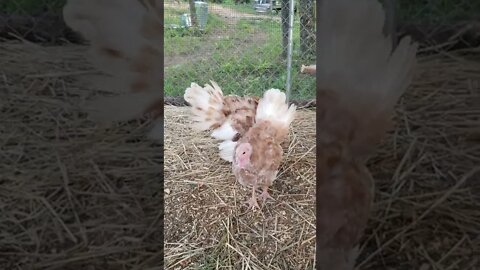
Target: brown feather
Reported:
point(266, 156)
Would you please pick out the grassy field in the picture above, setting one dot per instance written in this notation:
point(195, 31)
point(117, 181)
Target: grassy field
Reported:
point(245, 8)
point(244, 57)
point(184, 41)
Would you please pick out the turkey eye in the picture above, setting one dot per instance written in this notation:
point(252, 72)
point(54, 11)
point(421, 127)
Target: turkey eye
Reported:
point(243, 153)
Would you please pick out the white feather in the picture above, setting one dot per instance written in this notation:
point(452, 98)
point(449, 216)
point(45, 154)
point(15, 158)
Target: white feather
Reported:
point(224, 132)
point(206, 105)
point(227, 149)
point(273, 107)
point(355, 57)
point(197, 96)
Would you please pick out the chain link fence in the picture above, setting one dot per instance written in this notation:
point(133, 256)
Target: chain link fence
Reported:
point(41, 19)
point(241, 45)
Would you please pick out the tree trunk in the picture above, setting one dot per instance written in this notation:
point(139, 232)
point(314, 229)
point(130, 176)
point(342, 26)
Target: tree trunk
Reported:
point(193, 12)
point(307, 28)
point(284, 17)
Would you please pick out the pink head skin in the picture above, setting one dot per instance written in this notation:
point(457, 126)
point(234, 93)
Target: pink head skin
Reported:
point(242, 154)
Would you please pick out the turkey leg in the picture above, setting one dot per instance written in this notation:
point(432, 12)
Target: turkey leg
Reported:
point(252, 202)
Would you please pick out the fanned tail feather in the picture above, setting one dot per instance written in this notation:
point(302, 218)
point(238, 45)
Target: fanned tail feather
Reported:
point(126, 49)
point(360, 78)
point(207, 104)
point(273, 108)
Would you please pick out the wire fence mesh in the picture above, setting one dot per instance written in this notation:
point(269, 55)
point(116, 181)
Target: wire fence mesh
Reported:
point(29, 17)
point(241, 45)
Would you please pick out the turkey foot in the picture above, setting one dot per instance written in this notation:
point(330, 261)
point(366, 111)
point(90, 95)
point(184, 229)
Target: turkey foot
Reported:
point(264, 196)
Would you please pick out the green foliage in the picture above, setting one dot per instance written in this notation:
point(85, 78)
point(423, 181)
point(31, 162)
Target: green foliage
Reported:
point(184, 41)
point(245, 6)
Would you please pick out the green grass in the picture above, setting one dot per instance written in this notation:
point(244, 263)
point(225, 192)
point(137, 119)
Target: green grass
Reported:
point(184, 41)
point(242, 66)
point(245, 8)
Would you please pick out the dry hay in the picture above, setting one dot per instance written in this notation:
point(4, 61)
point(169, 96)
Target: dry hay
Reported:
point(207, 223)
point(72, 195)
point(427, 210)
point(427, 205)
